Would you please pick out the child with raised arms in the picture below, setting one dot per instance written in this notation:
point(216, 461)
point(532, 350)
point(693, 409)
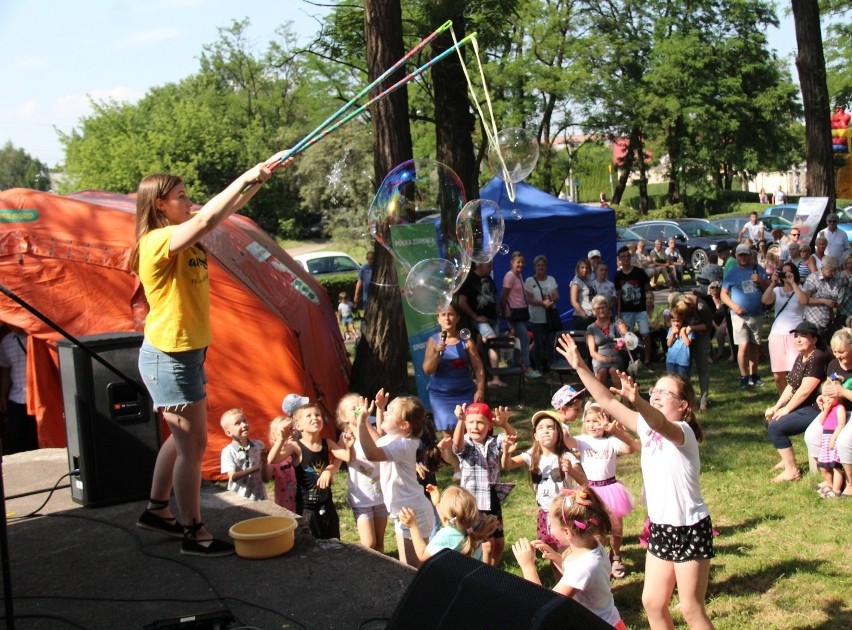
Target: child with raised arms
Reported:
point(396, 451)
point(365, 490)
point(283, 473)
point(480, 453)
point(578, 519)
point(681, 540)
point(599, 447)
point(552, 467)
point(316, 460)
point(464, 527)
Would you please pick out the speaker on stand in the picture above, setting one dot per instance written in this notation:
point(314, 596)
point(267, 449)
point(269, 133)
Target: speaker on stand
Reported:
point(113, 433)
point(452, 591)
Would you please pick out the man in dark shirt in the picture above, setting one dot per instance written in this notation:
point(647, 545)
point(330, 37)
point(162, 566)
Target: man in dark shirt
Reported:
point(478, 302)
point(634, 289)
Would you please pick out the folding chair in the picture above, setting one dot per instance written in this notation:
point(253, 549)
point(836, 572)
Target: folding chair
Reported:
point(503, 343)
point(561, 367)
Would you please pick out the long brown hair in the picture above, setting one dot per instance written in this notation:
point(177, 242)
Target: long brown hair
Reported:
point(151, 188)
point(535, 454)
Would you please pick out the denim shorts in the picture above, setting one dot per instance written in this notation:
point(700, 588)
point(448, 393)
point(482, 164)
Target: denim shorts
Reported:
point(173, 379)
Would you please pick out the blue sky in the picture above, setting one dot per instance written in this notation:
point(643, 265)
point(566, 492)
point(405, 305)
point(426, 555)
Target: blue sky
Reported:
point(56, 52)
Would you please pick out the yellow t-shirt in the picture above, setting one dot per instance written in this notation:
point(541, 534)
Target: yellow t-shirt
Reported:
point(178, 290)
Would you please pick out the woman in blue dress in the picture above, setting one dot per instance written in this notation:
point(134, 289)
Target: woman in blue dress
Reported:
point(458, 377)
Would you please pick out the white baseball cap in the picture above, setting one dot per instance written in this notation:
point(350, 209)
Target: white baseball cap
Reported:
point(292, 402)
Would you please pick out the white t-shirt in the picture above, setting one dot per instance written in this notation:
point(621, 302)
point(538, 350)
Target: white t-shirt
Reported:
point(547, 488)
point(398, 475)
point(598, 456)
point(790, 317)
point(838, 243)
point(365, 488)
point(589, 573)
point(548, 286)
point(753, 231)
point(670, 474)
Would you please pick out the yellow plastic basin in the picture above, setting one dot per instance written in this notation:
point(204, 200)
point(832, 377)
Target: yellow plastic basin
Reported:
point(263, 537)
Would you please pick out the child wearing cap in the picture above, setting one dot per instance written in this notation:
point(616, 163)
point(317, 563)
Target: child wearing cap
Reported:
point(480, 454)
point(243, 460)
point(568, 402)
point(552, 467)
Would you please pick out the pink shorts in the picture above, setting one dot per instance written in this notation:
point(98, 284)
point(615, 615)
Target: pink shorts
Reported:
point(782, 352)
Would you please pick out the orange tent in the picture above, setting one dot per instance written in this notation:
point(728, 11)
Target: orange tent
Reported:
point(274, 327)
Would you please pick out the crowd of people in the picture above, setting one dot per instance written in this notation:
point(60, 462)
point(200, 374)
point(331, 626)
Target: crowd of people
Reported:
point(392, 447)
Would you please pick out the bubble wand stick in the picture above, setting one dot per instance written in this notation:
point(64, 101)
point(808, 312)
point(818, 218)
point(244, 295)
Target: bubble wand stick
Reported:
point(303, 143)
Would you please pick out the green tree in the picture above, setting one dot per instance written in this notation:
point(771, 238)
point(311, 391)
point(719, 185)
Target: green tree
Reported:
point(207, 128)
point(18, 169)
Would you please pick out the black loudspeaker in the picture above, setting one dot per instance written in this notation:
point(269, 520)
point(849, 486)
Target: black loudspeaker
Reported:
point(454, 591)
point(113, 434)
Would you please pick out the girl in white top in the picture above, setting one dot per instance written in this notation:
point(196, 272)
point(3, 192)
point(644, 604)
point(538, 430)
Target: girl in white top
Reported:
point(603, 441)
point(552, 467)
point(789, 313)
point(402, 425)
point(578, 519)
point(365, 491)
point(681, 539)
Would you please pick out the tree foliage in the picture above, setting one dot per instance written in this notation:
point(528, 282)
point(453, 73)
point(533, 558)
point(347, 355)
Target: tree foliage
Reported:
point(18, 169)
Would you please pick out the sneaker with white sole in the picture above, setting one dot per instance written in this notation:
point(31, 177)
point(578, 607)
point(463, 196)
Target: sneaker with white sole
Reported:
point(533, 374)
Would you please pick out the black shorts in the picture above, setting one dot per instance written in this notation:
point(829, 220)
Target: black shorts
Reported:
point(682, 543)
point(322, 520)
point(496, 510)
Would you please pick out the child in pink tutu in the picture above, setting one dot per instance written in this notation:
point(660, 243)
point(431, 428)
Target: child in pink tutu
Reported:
point(599, 447)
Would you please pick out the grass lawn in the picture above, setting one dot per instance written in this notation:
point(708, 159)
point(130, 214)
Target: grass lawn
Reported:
point(782, 555)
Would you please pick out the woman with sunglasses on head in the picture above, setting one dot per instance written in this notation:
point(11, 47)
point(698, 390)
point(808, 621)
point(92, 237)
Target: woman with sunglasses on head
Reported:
point(681, 540)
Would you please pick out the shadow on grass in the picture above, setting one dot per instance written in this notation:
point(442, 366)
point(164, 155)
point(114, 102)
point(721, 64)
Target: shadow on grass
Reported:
point(838, 613)
point(743, 526)
point(762, 580)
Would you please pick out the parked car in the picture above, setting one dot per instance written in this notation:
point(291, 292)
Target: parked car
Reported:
point(844, 216)
point(318, 263)
point(694, 237)
point(624, 235)
point(787, 210)
point(735, 224)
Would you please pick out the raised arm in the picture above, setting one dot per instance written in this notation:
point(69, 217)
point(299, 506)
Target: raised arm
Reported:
point(367, 437)
point(597, 390)
point(222, 205)
point(459, 431)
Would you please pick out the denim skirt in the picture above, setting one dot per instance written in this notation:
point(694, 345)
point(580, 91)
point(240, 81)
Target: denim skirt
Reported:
point(173, 379)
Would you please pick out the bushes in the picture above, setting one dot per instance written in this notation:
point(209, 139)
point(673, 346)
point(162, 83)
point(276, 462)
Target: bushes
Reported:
point(334, 283)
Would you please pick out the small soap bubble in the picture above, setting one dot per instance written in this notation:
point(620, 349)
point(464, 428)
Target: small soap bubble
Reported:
point(464, 334)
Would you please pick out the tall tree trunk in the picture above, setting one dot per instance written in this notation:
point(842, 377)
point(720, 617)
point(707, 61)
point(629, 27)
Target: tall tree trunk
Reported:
point(382, 355)
point(810, 64)
point(643, 171)
point(673, 142)
point(454, 122)
point(623, 175)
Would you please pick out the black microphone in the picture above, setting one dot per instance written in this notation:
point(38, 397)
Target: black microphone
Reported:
point(444, 339)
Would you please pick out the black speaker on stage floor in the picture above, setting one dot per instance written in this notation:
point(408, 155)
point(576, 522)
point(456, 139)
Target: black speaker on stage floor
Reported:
point(113, 434)
point(452, 591)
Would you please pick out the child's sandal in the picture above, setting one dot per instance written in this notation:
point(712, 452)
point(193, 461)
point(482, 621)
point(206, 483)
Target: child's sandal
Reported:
point(617, 568)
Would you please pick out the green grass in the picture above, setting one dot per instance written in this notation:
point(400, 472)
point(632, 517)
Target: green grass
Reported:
point(783, 553)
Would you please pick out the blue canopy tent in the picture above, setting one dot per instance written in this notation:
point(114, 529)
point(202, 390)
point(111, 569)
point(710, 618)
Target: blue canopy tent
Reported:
point(561, 230)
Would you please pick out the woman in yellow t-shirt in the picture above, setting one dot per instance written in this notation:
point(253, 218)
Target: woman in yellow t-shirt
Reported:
point(172, 267)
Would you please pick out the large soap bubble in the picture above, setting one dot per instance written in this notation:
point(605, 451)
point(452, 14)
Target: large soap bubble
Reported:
point(429, 285)
point(410, 192)
point(519, 150)
point(480, 228)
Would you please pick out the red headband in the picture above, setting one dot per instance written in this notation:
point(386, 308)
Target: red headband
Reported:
point(481, 409)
